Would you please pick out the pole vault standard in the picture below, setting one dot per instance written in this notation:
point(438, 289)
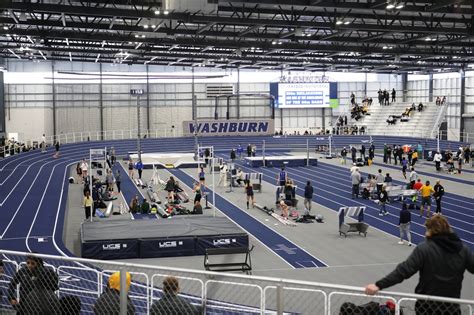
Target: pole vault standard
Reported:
point(200, 151)
point(138, 93)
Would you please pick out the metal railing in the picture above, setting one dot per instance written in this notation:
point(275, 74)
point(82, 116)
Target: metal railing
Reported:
point(439, 119)
point(88, 283)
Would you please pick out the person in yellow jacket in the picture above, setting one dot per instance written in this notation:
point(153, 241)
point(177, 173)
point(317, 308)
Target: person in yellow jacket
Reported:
point(414, 158)
point(88, 205)
point(426, 192)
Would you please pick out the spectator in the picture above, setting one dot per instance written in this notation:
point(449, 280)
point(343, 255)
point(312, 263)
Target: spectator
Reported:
point(139, 166)
point(420, 107)
point(414, 158)
point(249, 150)
point(254, 150)
point(379, 179)
point(388, 180)
point(393, 95)
point(418, 184)
point(134, 205)
point(352, 98)
point(443, 100)
point(170, 187)
point(145, 207)
point(389, 155)
point(356, 180)
point(404, 224)
point(284, 209)
point(353, 154)
point(380, 96)
point(233, 155)
point(437, 159)
point(25, 278)
point(109, 180)
point(223, 175)
point(460, 161)
point(109, 302)
point(441, 261)
point(207, 154)
point(467, 154)
point(438, 101)
point(170, 302)
point(43, 143)
point(438, 194)
point(426, 192)
point(130, 168)
point(42, 300)
point(413, 177)
point(88, 205)
point(308, 195)
point(383, 198)
point(344, 156)
point(240, 150)
point(386, 97)
point(84, 168)
point(197, 209)
point(56, 146)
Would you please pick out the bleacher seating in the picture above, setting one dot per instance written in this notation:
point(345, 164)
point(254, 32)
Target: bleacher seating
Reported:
point(419, 124)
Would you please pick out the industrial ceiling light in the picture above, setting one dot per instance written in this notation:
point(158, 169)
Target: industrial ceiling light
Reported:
point(399, 6)
point(390, 6)
point(145, 26)
point(5, 27)
point(347, 23)
point(166, 12)
point(339, 22)
point(157, 12)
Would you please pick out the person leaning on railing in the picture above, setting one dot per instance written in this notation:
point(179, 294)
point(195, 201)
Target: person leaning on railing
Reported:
point(441, 260)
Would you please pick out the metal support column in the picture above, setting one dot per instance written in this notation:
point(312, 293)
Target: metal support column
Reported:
point(462, 103)
point(323, 116)
point(123, 292)
point(238, 94)
point(430, 88)
point(139, 146)
point(365, 85)
point(281, 120)
point(147, 102)
point(2, 105)
point(404, 86)
point(101, 104)
point(194, 110)
point(53, 87)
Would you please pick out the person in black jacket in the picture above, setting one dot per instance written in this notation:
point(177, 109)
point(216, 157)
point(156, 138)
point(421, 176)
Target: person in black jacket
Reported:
point(170, 303)
point(42, 300)
point(441, 261)
point(404, 224)
point(109, 302)
point(308, 195)
point(438, 194)
point(383, 198)
point(25, 278)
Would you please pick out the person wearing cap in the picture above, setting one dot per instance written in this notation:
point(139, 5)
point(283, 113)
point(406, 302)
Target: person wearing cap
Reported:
point(170, 302)
point(25, 278)
point(109, 302)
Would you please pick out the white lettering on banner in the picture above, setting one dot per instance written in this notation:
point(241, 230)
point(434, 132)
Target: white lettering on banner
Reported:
point(167, 244)
point(229, 127)
point(222, 241)
point(111, 247)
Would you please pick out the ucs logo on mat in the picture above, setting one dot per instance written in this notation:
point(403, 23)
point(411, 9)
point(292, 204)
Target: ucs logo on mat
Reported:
point(169, 244)
point(113, 246)
point(223, 241)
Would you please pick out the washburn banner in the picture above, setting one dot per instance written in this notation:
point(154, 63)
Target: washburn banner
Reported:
point(230, 127)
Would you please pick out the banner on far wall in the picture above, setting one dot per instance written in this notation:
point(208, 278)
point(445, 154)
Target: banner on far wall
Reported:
point(230, 127)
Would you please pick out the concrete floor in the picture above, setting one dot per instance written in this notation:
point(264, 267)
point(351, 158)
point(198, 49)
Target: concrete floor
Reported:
point(353, 260)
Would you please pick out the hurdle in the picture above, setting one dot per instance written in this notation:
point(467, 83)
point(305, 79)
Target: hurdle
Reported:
point(359, 227)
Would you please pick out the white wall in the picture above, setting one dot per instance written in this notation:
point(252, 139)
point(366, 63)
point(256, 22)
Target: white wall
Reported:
point(29, 97)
